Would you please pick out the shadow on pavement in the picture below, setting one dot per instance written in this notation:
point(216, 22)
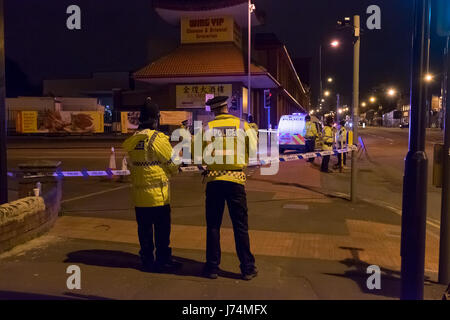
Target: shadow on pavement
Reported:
point(390, 279)
point(120, 259)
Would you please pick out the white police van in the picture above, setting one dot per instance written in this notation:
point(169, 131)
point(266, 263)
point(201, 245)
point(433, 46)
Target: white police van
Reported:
point(291, 131)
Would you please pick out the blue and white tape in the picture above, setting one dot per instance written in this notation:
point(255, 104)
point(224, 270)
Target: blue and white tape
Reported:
point(282, 158)
point(196, 168)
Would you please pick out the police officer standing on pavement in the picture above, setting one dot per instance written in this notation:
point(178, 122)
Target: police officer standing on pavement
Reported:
point(310, 136)
point(328, 139)
point(226, 183)
point(341, 142)
point(150, 154)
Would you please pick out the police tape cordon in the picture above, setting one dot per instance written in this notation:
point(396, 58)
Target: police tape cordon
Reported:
point(193, 168)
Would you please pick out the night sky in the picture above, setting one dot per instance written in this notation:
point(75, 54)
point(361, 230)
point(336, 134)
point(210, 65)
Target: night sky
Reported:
point(124, 35)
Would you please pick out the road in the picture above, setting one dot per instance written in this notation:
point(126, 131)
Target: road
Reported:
point(382, 167)
point(303, 239)
point(380, 176)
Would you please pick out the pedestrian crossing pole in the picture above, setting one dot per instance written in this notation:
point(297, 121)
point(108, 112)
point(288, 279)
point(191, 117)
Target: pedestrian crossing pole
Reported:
point(3, 127)
point(356, 54)
point(416, 164)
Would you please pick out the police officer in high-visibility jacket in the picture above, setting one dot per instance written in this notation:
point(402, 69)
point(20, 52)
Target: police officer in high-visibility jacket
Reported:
point(328, 139)
point(311, 135)
point(341, 142)
point(150, 154)
point(226, 179)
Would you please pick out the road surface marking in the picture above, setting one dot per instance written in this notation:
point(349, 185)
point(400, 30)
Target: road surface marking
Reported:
point(95, 193)
point(296, 206)
point(398, 211)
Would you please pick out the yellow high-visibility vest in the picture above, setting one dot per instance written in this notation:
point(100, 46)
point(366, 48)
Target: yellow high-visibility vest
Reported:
point(150, 154)
point(228, 162)
point(310, 130)
point(328, 138)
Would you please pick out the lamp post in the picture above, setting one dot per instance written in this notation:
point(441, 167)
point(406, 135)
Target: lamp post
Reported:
point(416, 164)
point(251, 8)
point(334, 44)
point(320, 73)
point(355, 120)
point(3, 127)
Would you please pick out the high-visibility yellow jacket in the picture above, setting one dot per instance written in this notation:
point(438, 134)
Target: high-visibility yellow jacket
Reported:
point(328, 138)
point(310, 130)
point(341, 137)
point(150, 155)
point(229, 142)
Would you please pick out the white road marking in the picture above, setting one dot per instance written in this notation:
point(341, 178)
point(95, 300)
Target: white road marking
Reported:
point(95, 193)
point(296, 206)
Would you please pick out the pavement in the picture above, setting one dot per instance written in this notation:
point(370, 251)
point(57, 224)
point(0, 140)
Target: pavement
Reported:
point(309, 241)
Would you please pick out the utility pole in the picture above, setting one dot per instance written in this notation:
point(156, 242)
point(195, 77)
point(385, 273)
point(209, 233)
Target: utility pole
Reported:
point(3, 126)
point(443, 30)
point(356, 54)
point(338, 99)
point(320, 75)
point(251, 7)
point(416, 164)
point(444, 245)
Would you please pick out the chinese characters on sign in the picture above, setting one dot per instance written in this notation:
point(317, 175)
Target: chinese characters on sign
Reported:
point(193, 96)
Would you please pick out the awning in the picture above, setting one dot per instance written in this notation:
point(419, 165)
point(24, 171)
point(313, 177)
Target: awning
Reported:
point(203, 63)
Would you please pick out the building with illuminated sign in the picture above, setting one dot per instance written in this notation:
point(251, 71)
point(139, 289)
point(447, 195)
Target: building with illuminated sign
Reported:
point(211, 60)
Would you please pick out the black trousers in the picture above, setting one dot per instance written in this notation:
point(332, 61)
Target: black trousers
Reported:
point(310, 145)
point(157, 218)
point(325, 162)
point(217, 193)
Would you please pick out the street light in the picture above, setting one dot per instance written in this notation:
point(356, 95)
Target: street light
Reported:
point(330, 80)
point(429, 77)
point(335, 43)
point(326, 93)
point(372, 99)
point(391, 92)
point(363, 104)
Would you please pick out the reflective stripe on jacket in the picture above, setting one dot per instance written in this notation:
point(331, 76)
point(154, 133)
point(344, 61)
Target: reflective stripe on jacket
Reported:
point(328, 138)
point(150, 154)
point(228, 163)
point(310, 130)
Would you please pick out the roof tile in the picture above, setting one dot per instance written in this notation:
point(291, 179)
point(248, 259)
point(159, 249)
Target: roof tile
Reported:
point(200, 60)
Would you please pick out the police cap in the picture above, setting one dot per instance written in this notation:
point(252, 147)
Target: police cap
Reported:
point(217, 102)
point(150, 111)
